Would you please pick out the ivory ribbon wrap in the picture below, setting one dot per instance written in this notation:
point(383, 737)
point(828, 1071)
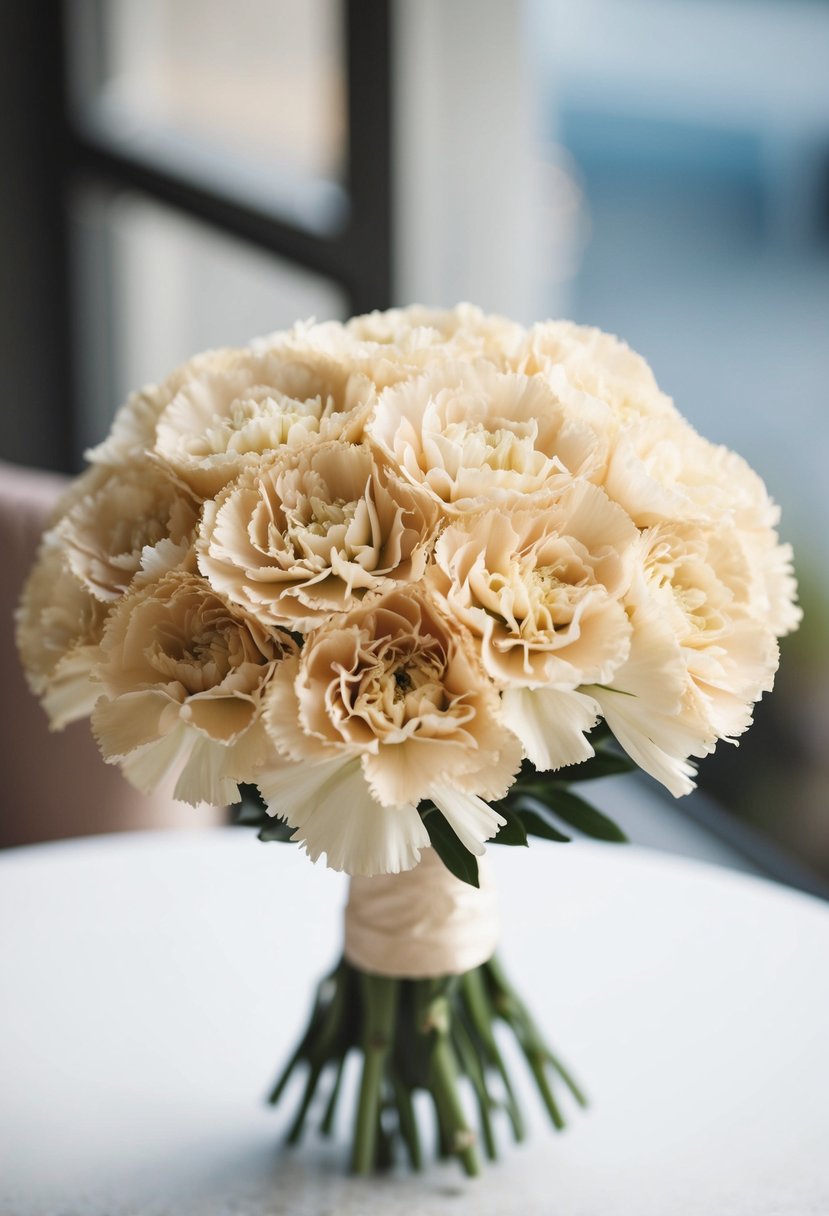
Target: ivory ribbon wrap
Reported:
point(421, 923)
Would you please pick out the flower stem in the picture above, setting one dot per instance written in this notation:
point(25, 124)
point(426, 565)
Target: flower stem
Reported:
point(379, 995)
point(435, 1035)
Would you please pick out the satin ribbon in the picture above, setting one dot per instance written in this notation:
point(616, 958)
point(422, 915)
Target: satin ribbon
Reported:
point(421, 923)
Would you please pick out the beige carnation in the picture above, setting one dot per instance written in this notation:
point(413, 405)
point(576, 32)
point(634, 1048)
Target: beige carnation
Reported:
point(476, 438)
point(133, 431)
point(309, 535)
point(598, 364)
point(700, 654)
point(541, 589)
point(660, 469)
point(219, 425)
point(58, 628)
point(392, 695)
point(391, 347)
point(416, 335)
point(133, 526)
point(649, 705)
point(702, 579)
point(542, 593)
point(183, 674)
point(774, 586)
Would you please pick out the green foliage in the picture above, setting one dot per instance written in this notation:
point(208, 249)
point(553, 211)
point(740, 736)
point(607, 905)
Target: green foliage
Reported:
point(454, 855)
point(537, 804)
point(251, 813)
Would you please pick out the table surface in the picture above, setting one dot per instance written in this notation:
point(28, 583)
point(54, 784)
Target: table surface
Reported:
point(152, 984)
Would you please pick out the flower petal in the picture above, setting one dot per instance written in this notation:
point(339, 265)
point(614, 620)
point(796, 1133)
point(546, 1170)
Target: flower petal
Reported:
point(472, 820)
point(334, 813)
point(550, 724)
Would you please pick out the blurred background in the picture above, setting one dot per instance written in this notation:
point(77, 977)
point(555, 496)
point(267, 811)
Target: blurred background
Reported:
point(186, 173)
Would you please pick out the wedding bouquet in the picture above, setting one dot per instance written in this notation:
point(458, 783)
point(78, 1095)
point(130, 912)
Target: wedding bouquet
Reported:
point(410, 577)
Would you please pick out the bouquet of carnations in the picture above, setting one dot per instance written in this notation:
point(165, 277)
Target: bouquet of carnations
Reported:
point(400, 583)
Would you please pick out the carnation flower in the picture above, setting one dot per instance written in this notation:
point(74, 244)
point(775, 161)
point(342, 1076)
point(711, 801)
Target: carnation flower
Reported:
point(660, 469)
point(133, 430)
point(476, 438)
point(312, 533)
point(58, 627)
point(541, 592)
point(598, 364)
point(133, 526)
point(421, 334)
point(385, 707)
point(774, 587)
point(703, 581)
point(701, 655)
point(219, 425)
point(183, 674)
point(649, 704)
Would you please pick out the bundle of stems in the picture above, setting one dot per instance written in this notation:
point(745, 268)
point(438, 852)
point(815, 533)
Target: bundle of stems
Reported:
point(436, 1035)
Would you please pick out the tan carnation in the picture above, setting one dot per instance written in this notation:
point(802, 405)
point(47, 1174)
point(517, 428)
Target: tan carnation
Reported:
point(541, 589)
point(391, 347)
point(58, 628)
point(660, 469)
point(598, 364)
point(417, 335)
point(218, 425)
point(774, 586)
point(133, 431)
point(477, 438)
point(183, 674)
point(134, 525)
point(542, 593)
point(702, 579)
point(314, 532)
point(390, 695)
point(700, 653)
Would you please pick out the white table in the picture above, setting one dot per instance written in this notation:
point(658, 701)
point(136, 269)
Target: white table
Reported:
point(151, 986)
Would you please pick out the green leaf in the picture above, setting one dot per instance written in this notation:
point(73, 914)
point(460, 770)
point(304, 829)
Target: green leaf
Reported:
point(580, 814)
point(454, 855)
point(250, 812)
point(275, 829)
point(513, 831)
point(604, 764)
point(537, 825)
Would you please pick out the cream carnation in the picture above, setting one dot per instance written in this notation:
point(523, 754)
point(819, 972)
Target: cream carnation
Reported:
point(542, 593)
point(541, 590)
point(774, 587)
point(134, 526)
point(133, 429)
point(183, 674)
point(58, 628)
point(311, 534)
point(386, 706)
point(649, 703)
point(703, 581)
point(700, 656)
point(660, 469)
point(417, 335)
point(219, 425)
point(598, 364)
point(393, 346)
point(476, 438)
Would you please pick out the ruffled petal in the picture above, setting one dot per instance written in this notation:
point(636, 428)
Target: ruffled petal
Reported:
point(551, 724)
point(472, 820)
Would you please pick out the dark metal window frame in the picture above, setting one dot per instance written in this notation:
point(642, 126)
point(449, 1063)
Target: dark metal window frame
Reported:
point(63, 153)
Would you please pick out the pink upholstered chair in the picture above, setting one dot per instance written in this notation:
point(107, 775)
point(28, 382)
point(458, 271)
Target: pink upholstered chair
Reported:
point(54, 785)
